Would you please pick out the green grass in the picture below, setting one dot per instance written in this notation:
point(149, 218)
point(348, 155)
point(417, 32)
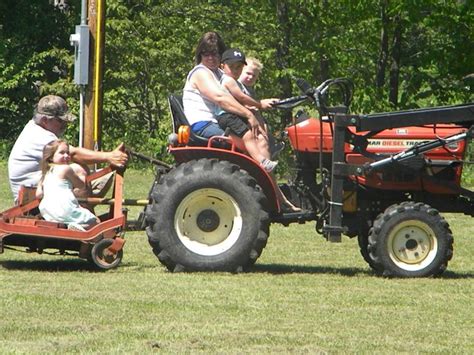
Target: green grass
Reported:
point(304, 295)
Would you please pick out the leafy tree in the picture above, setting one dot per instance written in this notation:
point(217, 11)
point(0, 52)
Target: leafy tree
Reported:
point(399, 54)
point(34, 58)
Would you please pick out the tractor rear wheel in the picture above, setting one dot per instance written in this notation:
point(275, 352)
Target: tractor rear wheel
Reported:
point(410, 240)
point(207, 215)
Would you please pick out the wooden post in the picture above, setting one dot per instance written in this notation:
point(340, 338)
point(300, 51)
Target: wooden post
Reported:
point(94, 92)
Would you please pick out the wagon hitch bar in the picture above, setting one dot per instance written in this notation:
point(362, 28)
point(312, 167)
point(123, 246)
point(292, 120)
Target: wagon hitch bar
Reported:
point(146, 158)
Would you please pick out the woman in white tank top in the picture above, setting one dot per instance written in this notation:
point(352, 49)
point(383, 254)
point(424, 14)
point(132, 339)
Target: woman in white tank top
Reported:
point(202, 93)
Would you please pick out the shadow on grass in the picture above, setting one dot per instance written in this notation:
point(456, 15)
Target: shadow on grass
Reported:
point(456, 275)
point(76, 264)
point(60, 265)
point(300, 269)
point(278, 269)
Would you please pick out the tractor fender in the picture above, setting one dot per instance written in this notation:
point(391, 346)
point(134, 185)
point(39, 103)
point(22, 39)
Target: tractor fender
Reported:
point(264, 180)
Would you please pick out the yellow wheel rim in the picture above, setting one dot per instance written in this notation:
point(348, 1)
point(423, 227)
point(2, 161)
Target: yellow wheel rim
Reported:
point(208, 221)
point(412, 245)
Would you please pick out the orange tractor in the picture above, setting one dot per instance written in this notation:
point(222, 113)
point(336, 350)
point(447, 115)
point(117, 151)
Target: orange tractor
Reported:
point(382, 178)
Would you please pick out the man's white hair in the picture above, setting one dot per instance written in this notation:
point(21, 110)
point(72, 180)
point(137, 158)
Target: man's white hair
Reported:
point(38, 116)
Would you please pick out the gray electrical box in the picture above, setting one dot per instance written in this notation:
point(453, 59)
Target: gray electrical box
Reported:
point(80, 41)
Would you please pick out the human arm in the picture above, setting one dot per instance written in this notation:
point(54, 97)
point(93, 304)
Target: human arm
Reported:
point(39, 190)
point(209, 88)
point(68, 172)
point(233, 87)
point(116, 157)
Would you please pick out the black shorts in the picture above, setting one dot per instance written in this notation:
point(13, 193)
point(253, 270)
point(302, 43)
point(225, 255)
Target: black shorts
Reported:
point(237, 124)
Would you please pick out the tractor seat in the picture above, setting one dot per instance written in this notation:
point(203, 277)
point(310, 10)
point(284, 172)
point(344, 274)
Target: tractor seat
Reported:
point(179, 119)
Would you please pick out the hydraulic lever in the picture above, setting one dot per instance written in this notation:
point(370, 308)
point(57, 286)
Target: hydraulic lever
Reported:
point(419, 149)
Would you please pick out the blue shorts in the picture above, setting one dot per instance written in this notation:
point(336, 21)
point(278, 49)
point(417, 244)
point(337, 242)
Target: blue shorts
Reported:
point(207, 130)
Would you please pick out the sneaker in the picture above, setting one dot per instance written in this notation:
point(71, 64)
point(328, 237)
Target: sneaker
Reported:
point(75, 227)
point(268, 165)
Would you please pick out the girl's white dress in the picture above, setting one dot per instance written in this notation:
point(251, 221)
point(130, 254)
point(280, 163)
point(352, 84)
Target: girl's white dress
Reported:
point(59, 203)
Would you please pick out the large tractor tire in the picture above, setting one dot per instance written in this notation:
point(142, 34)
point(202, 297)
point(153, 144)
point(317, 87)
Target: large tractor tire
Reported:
point(410, 240)
point(207, 215)
point(363, 241)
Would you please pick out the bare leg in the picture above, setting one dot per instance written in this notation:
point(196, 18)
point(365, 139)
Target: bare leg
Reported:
point(285, 204)
point(263, 145)
point(252, 146)
point(264, 151)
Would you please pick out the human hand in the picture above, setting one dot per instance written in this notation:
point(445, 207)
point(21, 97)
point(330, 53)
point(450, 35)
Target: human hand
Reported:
point(81, 192)
point(267, 103)
point(254, 125)
point(118, 157)
point(252, 108)
point(39, 191)
point(262, 127)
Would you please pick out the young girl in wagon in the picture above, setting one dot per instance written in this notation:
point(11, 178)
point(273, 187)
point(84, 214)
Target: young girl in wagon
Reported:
point(59, 186)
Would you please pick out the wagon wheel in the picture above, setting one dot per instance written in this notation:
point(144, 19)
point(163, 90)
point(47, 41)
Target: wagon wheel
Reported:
point(102, 257)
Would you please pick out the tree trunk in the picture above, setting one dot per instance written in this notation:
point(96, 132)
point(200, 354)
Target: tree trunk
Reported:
point(383, 54)
point(317, 29)
point(323, 56)
point(282, 53)
point(395, 67)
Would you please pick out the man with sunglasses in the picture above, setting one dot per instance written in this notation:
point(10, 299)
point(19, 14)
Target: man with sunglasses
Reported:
point(49, 122)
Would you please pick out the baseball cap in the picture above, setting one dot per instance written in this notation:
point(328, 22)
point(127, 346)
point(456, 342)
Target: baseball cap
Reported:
point(54, 106)
point(233, 55)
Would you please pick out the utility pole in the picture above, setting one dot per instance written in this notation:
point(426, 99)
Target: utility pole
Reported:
point(94, 91)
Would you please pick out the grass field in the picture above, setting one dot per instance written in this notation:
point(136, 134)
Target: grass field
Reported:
point(304, 295)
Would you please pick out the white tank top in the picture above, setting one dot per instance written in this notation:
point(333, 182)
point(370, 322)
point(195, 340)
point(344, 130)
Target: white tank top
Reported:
point(196, 107)
point(224, 79)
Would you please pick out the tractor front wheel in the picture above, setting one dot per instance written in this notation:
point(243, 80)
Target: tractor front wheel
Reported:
point(410, 240)
point(363, 241)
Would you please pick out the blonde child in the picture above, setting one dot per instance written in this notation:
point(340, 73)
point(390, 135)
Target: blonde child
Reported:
point(248, 78)
point(59, 186)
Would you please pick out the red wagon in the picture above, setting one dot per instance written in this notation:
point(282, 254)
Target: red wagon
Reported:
point(22, 226)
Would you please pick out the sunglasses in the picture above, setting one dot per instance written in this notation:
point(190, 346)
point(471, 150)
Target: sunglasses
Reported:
point(61, 122)
point(210, 54)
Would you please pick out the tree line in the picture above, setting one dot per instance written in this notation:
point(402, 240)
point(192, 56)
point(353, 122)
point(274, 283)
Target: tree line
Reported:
point(399, 54)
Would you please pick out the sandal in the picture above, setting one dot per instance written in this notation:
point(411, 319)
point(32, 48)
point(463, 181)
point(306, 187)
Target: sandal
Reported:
point(287, 207)
point(73, 226)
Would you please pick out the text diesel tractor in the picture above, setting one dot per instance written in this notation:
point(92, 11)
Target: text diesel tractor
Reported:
point(382, 178)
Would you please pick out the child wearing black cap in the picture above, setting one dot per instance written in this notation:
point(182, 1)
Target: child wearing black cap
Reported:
point(233, 61)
